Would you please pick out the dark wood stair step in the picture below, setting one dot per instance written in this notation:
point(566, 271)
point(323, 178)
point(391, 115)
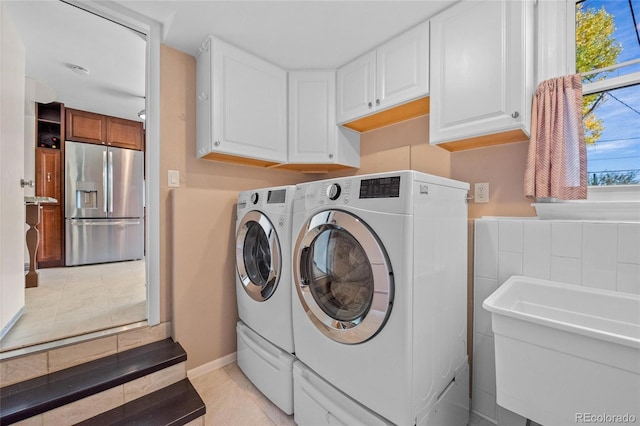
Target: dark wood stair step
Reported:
point(174, 405)
point(35, 396)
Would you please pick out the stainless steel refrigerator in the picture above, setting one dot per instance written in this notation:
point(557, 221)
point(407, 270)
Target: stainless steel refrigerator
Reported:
point(104, 204)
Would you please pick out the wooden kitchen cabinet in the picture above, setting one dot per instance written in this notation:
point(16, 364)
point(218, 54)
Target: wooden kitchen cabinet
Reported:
point(51, 229)
point(49, 173)
point(393, 74)
point(316, 142)
point(89, 127)
point(241, 109)
point(83, 126)
point(124, 133)
point(481, 73)
point(49, 183)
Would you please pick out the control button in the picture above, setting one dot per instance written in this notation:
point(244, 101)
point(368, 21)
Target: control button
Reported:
point(333, 192)
point(254, 198)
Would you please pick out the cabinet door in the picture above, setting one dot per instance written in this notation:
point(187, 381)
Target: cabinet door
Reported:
point(124, 133)
point(249, 105)
point(82, 126)
point(51, 245)
point(356, 83)
point(48, 173)
point(479, 60)
point(312, 117)
point(403, 68)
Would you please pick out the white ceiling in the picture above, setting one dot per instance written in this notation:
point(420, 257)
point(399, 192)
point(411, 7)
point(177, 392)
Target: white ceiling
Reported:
point(57, 36)
point(292, 34)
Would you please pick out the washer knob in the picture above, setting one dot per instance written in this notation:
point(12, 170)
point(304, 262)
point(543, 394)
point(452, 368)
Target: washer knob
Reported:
point(333, 191)
point(254, 198)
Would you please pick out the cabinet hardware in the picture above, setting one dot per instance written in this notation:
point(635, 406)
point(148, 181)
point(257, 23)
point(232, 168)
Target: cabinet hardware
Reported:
point(216, 143)
point(377, 101)
point(48, 176)
point(515, 114)
point(370, 104)
point(203, 96)
point(331, 155)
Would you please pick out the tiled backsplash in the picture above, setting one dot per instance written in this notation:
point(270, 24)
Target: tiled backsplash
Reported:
point(595, 254)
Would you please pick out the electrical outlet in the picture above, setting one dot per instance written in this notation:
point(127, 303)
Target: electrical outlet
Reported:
point(481, 194)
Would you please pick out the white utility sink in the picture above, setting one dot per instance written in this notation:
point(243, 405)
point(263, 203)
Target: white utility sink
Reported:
point(566, 354)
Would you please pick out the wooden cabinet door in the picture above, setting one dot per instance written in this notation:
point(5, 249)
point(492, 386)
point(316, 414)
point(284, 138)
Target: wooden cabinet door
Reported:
point(124, 133)
point(51, 229)
point(49, 173)
point(83, 126)
point(402, 70)
point(356, 85)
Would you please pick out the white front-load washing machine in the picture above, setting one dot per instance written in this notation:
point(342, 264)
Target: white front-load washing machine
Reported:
point(380, 296)
point(264, 290)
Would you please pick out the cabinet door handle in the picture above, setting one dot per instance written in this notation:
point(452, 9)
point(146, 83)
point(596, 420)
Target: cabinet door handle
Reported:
point(377, 101)
point(515, 114)
point(330, 155)
point(216, 143)
point(48, 176)
point(370, 104)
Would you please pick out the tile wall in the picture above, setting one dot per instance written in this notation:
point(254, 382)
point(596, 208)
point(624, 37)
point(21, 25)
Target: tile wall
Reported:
point(605, 255)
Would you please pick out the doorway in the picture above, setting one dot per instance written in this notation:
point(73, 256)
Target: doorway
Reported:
point(120, 276)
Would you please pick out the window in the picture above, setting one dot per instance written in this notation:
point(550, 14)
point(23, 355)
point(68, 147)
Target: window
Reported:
point(607, 47)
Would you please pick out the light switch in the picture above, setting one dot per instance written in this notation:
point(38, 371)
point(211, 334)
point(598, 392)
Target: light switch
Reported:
point(174, 179)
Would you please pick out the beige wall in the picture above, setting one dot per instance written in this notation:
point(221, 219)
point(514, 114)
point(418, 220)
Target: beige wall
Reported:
point(503, 167)
point(198, 219)
point(197, 276)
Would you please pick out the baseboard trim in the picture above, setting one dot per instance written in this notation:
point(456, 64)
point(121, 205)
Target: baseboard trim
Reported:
point(212, 365)
point(485, 417)
point(11, 322)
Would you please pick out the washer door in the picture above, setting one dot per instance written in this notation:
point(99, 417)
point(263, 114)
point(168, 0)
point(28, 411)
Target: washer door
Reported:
point(258, 256)
point(343, 276)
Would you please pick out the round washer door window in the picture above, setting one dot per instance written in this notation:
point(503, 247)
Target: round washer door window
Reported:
point(343, 277)
point(258, 256)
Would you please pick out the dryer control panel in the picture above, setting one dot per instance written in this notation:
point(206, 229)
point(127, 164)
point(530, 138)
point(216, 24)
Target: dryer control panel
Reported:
point(384, 187)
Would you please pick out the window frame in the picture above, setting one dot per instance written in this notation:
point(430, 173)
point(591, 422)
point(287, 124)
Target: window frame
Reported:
point(599, 193)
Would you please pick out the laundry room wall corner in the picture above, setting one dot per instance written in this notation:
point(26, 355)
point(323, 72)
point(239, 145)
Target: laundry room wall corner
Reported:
point(198, 221)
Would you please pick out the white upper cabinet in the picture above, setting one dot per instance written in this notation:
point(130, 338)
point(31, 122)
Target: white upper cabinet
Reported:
point(481, 70)
point(394, 73)
point(314, 136)
point(241, 106)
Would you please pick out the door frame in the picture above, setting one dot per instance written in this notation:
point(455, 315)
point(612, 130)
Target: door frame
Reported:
point(145, 25)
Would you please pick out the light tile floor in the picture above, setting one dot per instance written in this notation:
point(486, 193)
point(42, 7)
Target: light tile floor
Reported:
point(232, 400)
point(80, 299)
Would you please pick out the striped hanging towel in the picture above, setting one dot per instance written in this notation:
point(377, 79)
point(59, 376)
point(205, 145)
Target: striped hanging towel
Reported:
point(557, 159)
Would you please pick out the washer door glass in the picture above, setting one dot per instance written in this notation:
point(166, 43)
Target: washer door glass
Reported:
point(257, 256)
point(343, 276)
point(339, 274)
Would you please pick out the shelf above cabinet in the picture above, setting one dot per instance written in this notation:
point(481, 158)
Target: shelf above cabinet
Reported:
point(485, 141)
point(390, 116)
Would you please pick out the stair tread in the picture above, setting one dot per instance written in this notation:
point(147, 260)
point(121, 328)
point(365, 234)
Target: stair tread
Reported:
point(173, 405)
point(35, 396)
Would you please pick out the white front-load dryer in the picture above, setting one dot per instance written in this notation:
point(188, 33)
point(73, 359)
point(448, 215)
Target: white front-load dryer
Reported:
point(263, 291)
point(380, 294)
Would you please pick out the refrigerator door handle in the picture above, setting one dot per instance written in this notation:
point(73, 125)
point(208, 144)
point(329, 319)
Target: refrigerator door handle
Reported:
point(85, 222)
point(110, 181)
point(104, 179)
